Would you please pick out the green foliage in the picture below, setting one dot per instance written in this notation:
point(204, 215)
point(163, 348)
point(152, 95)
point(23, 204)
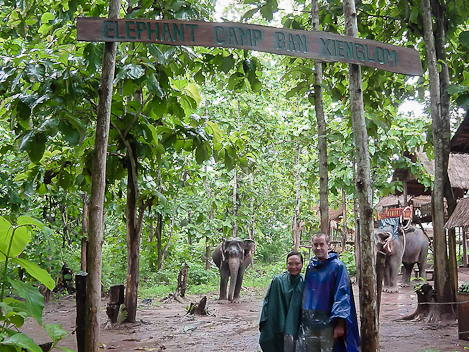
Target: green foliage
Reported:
point(13, 239)
point(464, 287)
point(198, 275)
point(417, 283)
point(348, 258)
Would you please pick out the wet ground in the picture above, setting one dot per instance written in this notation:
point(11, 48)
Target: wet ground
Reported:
point(165, 326)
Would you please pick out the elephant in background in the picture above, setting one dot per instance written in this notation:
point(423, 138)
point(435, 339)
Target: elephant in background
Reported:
point(232, 257)
point(409, 246)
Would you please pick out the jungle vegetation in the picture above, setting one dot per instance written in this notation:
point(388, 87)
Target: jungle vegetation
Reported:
point(203, 144)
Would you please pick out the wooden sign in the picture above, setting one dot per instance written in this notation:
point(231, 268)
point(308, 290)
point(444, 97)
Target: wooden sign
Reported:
point(309, 44)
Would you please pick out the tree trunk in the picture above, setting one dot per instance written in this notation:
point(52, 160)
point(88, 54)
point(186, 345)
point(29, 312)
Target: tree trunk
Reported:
point(84, 231)
point(151, 240)
point(133, 246)
point(357, 230)
point(189, 235)
point(171, 232)
point(182, 280)
point(159, 227)
point(322, 134)
point(159, 230)
point(235, 202)
point(296, 230)
point(252, 227)
point(344, 216)
point(98, 184)
point(368, 315)
point(441, 267)
point(210, 219)
point(439, 9)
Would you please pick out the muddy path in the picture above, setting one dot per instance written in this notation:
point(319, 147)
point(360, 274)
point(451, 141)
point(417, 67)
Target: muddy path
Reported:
point(165, 326)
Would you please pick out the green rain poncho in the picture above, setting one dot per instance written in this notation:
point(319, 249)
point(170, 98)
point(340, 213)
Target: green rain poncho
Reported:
point(281, 311)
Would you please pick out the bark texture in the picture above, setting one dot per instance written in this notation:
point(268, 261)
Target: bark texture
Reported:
point(442, 280)
point(439, 8)
point(296, 227)
point(98, 184)
point(321, 122)
point(367, 279)
point(133, 248)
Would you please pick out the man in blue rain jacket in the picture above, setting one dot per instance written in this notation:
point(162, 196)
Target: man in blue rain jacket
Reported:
point(328, 321)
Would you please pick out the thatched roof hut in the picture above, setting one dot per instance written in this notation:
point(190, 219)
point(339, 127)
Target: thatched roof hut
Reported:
point(458, 171)
point(398, 201)
point(333, 214)
point(460, 141)
point(460, 216)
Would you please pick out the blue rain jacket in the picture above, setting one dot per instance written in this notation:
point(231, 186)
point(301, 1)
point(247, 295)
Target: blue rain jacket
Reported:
point(327, 296)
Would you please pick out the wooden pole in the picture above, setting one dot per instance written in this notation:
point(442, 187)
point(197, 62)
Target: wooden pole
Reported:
point(367, 280)
point(80, 284)
point(98, 184)
point(322, 133)
point(464, 247)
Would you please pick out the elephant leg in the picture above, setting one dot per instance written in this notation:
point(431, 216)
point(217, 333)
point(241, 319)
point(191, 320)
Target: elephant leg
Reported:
point(386, 275)
point(407, 274)
point(224, 275)
point(234, 268)
point(239, 283)
point(390, 275)
point(422, 265)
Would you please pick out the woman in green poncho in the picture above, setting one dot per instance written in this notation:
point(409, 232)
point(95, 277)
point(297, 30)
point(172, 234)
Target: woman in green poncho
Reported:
point(281, 312)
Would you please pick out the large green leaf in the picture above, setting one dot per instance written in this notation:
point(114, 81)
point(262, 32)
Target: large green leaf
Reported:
point(92, 54)
point(27, 220)
point(12, 240)
point(23, 341)
point(192, 90)
point(55, 332)
point(227, 63)
point(34, 301)
point(34, 144)
point(464, 38)
point(213, 129)
point(69, 132)
point(35, 271)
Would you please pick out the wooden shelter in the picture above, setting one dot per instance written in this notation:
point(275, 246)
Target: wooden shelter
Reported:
point(335, 230)
point(460, 218)
point(417, 195)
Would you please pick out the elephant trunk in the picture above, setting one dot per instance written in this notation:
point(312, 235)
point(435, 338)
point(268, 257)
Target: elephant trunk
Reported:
point(234, 264)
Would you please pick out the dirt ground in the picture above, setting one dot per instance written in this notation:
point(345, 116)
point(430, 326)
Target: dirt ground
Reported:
point(165, 326)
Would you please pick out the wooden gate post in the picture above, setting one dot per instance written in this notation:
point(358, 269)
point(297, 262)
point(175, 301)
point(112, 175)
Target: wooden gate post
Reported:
point(80, 283)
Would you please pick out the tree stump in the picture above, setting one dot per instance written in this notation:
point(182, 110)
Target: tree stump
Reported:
point(425, 296)
point(116, 298)
point(198, 308)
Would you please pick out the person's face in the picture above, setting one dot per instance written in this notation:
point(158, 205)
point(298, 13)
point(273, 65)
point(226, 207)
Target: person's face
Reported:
point(320, 247)
point(294, 265)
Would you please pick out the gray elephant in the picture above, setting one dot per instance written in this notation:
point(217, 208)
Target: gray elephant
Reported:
point(232, 257)
point(409, 247)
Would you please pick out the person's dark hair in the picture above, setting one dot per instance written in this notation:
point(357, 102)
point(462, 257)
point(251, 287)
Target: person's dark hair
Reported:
point(319, 234)
point(295, 253)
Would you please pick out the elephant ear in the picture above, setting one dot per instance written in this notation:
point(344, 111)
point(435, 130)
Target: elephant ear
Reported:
point(249, 246)
point(225, 244)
